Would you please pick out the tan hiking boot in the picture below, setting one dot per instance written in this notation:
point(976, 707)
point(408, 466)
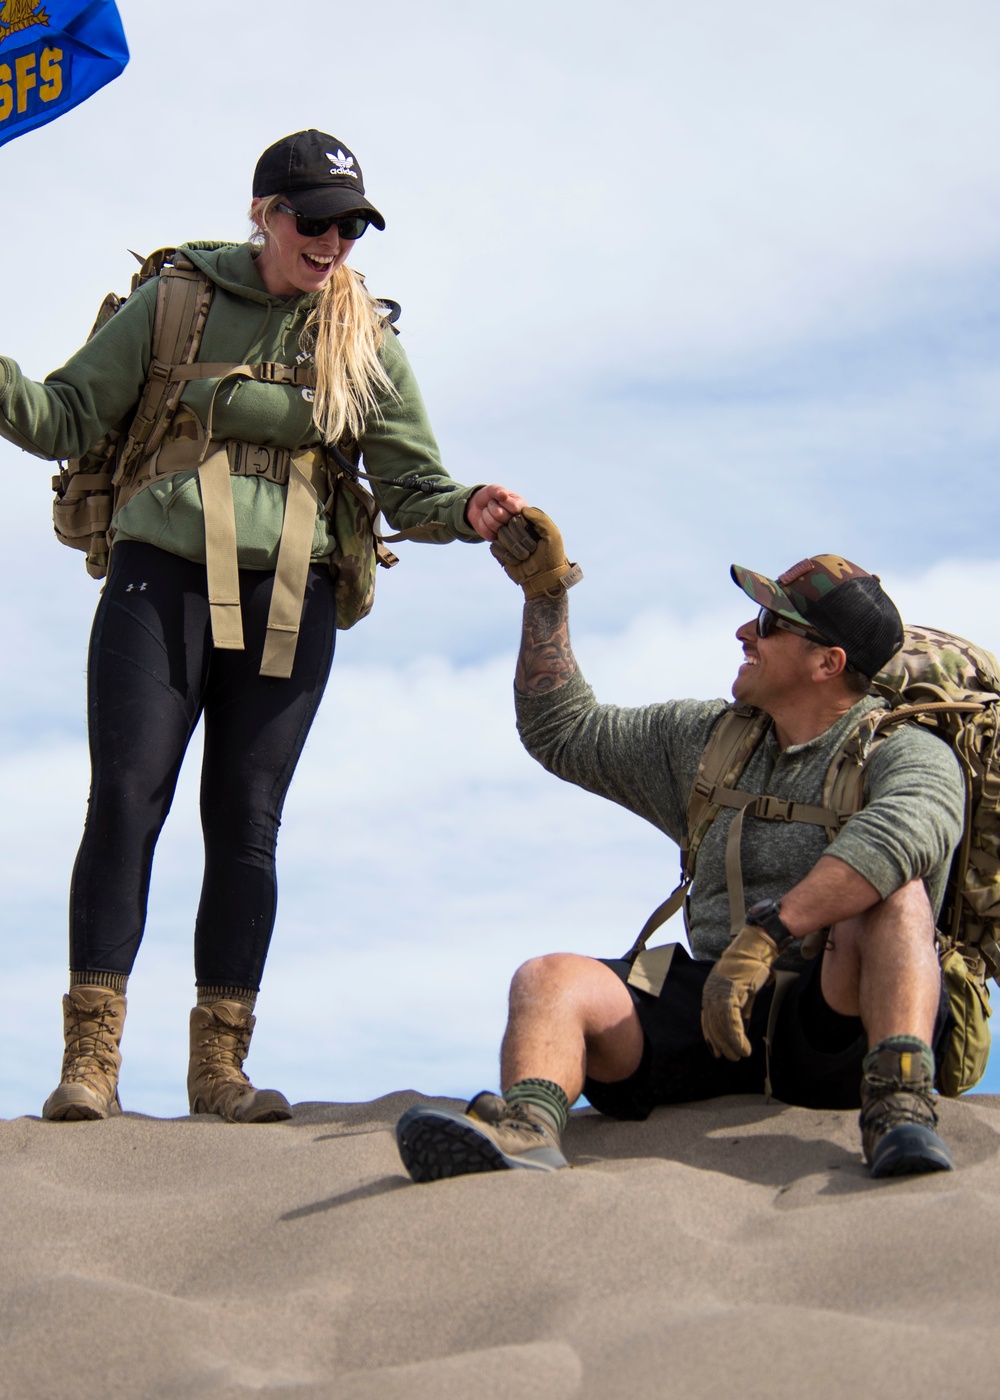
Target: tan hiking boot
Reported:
point(490, 1136)
point(93, 1018)
point(220, 1042)
point(897, 1111)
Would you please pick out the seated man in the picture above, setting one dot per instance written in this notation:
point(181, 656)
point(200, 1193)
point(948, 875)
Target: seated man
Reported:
point(854, 916)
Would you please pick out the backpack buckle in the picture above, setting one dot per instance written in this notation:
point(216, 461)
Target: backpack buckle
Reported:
point(773, 809)
point(268, 372)
point(253, 459)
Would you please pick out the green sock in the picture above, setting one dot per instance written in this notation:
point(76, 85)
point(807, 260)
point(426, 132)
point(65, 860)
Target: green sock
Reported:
point(545, 1097)
point(905, 1044)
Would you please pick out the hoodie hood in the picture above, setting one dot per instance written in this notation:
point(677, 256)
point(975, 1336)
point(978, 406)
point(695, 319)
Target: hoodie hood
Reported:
point(232, 267)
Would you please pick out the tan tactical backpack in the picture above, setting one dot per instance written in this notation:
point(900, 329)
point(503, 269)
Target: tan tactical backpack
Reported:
point(942, 683)
point(88, 488)
point(161, 438)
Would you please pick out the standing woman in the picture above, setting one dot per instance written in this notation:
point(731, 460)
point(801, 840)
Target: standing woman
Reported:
point(209, 608)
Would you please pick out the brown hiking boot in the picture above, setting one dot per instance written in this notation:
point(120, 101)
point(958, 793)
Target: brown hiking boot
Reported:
point(93, 1018)
point(220, 1042)
point(897, 1111)
point(490, 1136)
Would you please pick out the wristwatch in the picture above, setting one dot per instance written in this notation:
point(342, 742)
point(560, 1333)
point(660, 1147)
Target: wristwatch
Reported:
point(766, 914)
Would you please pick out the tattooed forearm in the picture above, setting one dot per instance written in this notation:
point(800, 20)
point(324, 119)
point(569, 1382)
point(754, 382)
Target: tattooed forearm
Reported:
point(546, 659)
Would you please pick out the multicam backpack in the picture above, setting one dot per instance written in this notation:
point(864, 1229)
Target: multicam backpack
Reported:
point(157, 439)
point(942, 683)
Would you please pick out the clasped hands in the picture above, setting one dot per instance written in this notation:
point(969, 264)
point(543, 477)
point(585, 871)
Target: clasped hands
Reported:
point(523, 540)
point(490, 507)
point(530, 549)
point(743, 970)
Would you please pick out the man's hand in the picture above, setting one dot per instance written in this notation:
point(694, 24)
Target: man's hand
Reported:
point(727, 1000)
point(530, 548)
point(491, 507)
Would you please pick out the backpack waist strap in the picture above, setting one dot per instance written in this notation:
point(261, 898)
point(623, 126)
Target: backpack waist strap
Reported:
point(251, 459)
point(307, 478)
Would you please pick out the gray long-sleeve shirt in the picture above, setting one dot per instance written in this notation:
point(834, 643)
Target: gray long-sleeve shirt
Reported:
point(646, 760)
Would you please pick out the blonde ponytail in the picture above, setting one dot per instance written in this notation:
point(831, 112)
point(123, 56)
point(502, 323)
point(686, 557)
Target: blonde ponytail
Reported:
point(344, 332)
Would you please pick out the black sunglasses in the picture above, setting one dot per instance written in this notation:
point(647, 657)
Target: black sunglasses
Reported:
point(767, 621)
point(350, 228)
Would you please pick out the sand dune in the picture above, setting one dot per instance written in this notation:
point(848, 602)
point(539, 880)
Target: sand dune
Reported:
point(732, 1248)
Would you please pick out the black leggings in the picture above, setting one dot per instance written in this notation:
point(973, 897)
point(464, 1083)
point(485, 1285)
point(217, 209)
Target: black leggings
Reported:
point(153, 671)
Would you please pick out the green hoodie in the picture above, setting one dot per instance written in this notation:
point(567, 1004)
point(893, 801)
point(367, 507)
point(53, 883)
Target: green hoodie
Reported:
point(102, 382)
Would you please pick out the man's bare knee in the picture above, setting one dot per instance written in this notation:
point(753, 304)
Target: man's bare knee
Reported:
point(597, 995)
point(567, 1013)
point(553, 974)
point(569, 990)
point(606, 1012)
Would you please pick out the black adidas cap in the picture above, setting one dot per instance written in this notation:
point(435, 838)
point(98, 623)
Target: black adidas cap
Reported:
point(318, 174)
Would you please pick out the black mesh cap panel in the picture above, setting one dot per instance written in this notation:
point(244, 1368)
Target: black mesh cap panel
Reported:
point(862, 619)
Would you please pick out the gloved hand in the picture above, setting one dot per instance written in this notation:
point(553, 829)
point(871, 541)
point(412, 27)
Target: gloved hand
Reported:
point(530, 548)
point(728, 996)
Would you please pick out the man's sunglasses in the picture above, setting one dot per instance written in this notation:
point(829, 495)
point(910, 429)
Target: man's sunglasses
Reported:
point(767, 621)
point(350, 228)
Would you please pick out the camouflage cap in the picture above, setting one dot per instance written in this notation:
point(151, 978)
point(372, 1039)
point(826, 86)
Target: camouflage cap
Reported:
point(837, 600)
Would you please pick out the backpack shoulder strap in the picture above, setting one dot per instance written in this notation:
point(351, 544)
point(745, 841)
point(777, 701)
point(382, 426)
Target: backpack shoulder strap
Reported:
point(843, 786)
point(731, 743)
point(183, 298)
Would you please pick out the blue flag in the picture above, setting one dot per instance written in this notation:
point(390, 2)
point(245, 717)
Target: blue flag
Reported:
point(54, 55)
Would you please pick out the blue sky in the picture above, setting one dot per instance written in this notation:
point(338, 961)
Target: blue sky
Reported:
point(708, 282)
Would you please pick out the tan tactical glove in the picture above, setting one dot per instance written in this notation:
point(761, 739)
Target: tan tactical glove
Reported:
point(530, 548)
point(727, 1000)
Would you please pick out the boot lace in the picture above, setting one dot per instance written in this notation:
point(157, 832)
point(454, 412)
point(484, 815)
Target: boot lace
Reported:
point(92, 1047)
point(222, 1050)
point(523, 1124)
point(890, 1101)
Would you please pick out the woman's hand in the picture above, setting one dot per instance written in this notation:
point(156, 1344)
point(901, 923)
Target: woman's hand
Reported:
point(491, 507)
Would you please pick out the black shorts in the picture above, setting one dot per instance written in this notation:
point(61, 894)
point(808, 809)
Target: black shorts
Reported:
point(678, 1067)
